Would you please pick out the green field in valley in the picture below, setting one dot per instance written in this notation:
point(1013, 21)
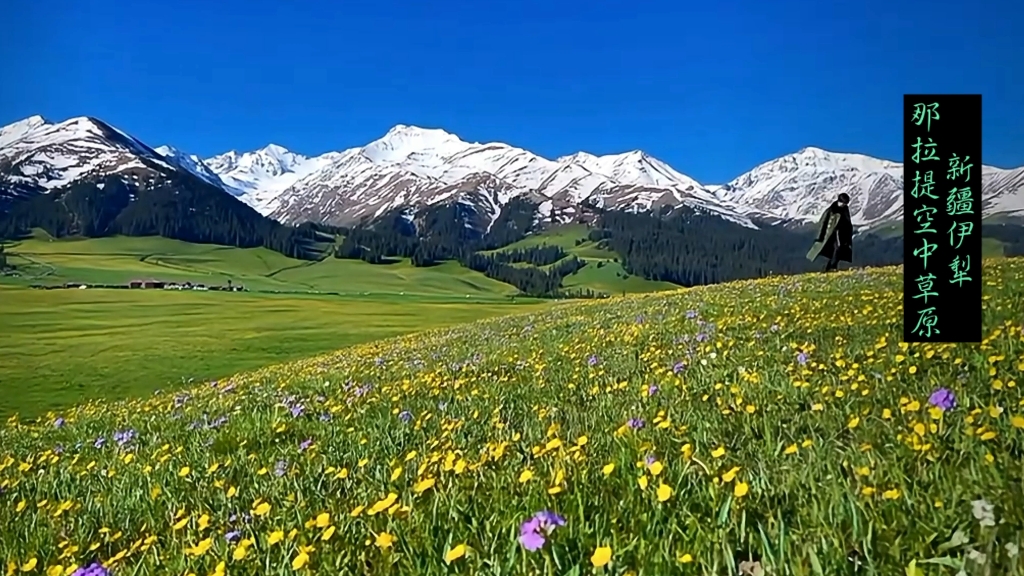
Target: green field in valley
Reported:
point(653, 434)
point(60, 347)
point(119, 260)
point(65, 346)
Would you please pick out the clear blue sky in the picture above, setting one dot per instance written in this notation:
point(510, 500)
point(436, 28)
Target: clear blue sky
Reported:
point(712, 87)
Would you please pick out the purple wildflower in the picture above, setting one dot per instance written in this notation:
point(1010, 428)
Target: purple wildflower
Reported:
point(533, 533)
point(305, 444)
point(281, 468)
point(233, 536)
point(679, 367)
point(943, 399)
point(530, 536)
point(123, 437)
point(58, 423)
point(636, 423)
point(652, 390)
point(592, 361)
point(650, 459)
point(325, 417)
point(297, 410)
point(691, 314)
point(94, 569)
point(99, 442)
point(801, 358)
point(702, 337)
point(405, 416)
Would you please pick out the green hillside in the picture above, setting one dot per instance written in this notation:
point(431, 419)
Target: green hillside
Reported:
point(671, 434)
point(573, 238)
point(118, 260)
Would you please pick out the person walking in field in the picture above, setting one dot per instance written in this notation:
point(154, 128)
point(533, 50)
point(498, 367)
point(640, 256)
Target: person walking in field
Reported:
point(835, 235)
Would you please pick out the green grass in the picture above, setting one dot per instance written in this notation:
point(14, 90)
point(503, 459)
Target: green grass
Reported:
point(606, 279)
point(118, 260)
point(564, 236)
point(61, 347)
point(354, 276)
point(992, 248)
point(788, 420)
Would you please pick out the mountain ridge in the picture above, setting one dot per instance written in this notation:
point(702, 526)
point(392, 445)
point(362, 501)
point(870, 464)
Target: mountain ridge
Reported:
point(417, 166)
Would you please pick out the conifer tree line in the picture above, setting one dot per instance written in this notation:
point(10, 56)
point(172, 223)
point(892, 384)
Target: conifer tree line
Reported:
point(181, 207)
point(690, 249)
point(1010, 235)
point(440, 233)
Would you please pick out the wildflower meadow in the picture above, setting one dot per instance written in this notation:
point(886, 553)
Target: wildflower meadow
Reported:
point(776, 426)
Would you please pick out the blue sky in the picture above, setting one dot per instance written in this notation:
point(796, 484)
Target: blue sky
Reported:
point(711, 87)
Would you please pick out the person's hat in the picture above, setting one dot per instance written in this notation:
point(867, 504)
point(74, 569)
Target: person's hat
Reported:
point(844, 197)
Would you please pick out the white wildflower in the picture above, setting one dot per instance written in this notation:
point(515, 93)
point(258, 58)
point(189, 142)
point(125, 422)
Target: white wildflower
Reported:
point(977, 557)
point(983, 512)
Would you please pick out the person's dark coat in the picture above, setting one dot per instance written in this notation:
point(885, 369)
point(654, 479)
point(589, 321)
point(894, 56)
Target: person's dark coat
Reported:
point(834, 222)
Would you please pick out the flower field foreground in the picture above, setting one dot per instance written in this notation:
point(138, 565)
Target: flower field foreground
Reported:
point(662, 434)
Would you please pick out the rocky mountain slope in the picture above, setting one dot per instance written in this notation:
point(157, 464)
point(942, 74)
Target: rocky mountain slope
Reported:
point(412, 166)
point(799, 186)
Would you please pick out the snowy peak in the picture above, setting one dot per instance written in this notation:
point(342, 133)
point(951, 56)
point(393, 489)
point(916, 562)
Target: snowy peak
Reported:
point(420, 166)
point(40, 155)
point(260, 176)
point(799, 186)
point(20, 129)
point(189, 163)
point(402, 143)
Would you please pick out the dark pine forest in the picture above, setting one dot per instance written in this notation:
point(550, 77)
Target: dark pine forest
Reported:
point(682, 247)
point(178, 206)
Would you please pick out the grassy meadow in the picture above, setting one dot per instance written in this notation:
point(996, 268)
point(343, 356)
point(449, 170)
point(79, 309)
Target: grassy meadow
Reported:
point(654, 434)
point(61, 347)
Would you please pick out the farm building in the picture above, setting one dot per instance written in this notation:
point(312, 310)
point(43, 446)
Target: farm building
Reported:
point(146, 284)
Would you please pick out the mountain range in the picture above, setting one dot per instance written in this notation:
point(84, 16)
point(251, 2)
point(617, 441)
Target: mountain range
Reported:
point(415, 167)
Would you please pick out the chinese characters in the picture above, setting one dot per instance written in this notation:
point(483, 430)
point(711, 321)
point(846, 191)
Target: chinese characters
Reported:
point(924, 214)
point(942, 218)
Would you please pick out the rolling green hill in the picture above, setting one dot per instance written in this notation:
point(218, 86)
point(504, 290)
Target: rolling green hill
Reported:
point(677, 433)
point(117, 260)
point(65, 346)
point(609, 278)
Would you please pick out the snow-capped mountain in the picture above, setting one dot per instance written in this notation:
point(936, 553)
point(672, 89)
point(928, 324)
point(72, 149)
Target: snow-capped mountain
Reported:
point(37, 156)
point(418, 166)
point(258, 177)
point(412, 166)
point(190, 163)
point(798, 187)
